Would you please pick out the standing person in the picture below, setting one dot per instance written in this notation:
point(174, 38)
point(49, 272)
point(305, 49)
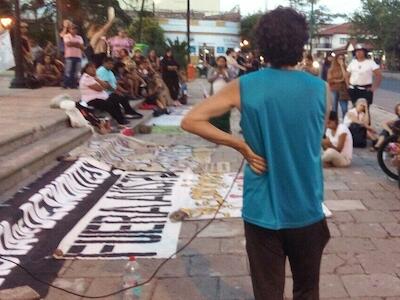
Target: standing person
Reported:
point(338, 144)
point(338, 85)
point(105, 74)
point(233, 65)
point(219, 78)
point(253, 63)
point(308, 65)
point(364, 76)
point(120, 41)
point(73, 50)
point(326, 66)
point(154, 60)
point(98, 40)
point(283, 181)
point(241, 60)
point(26, 50)
point(169, 70)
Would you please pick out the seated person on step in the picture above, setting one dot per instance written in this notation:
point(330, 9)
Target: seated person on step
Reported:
point(94, 95)
point(338, 144)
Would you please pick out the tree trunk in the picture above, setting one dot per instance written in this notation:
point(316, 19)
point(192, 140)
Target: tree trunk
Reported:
point(141, 21)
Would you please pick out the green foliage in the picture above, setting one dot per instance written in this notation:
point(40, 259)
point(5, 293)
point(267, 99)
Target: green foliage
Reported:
point(322, 15)
point(179, 50)
point(92, 11)
point(152, 34)
point(247, 26)
point(5, 8)
point(380, 20)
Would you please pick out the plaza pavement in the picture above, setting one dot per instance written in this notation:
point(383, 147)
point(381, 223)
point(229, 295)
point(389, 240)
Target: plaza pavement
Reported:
point(362, 260)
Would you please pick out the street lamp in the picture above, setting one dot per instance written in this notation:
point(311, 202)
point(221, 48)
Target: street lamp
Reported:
point(6, 23)
point(19, 79)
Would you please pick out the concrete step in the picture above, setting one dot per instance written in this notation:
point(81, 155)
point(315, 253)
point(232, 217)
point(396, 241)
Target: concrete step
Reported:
point(25, 137)
point(28, 160)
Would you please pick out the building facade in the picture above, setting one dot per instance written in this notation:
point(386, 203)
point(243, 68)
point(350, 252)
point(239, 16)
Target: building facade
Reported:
point(332, 37)
point(173, 5)
point(211, 35)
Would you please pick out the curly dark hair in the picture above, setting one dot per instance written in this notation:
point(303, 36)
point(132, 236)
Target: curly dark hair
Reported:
point(281, 35)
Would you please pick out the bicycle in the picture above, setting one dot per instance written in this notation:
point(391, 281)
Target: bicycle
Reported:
point(389, 154)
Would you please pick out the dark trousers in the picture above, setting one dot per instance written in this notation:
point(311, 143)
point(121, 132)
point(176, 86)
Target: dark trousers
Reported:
point(267, 251)
point(111, 106)
point(72, 68)
point(356, 94)
point(123, 101)
point(173, 86)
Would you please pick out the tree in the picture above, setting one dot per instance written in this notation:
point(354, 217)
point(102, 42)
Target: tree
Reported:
point(379, 20)
point(320, 15)
point(152, 34)
point(5, 8)
point(179, 49)
point(247, 28)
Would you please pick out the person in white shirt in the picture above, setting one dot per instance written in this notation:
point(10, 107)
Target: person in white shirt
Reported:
point(360, 115)
point(93, 94)
point(338, 144)
point(364, 76)
point(233, 65)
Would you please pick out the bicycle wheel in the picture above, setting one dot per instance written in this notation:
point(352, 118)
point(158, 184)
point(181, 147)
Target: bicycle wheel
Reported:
point(386, 158)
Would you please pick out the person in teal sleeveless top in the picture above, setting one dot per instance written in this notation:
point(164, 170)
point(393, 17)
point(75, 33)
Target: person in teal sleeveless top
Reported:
point(283, 113)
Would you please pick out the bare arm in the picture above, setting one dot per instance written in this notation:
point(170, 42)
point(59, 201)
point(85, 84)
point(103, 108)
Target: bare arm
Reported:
point(97, 87)
point(102, 32)
point(341, 142)
point(377, 80)
point(197, 122)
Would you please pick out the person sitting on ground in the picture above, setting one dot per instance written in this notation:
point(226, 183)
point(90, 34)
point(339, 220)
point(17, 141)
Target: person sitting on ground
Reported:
point(130, 65)
point(387, 129)
point(105, 74)
point(47, 72)
point(137, 56)
point(36, 51)
point(338, 144)
point(154, 60)
point(357, 120)
point(93, 94)
point(153, 98)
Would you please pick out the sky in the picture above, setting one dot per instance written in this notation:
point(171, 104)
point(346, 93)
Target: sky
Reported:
point(251, 6)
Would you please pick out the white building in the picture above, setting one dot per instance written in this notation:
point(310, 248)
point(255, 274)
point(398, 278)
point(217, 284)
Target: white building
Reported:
point(173, 5)
point(211, 34)
point(332, 37)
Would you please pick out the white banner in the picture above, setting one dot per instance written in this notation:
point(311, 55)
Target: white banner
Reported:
point(7, 60)
point(131, 219)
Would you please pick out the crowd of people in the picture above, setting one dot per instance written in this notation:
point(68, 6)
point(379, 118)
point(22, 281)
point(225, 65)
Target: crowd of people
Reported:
point(114, 71)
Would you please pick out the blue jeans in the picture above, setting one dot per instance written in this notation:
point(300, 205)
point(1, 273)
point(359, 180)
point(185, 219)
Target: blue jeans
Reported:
point(72, 67)
point(337, 101)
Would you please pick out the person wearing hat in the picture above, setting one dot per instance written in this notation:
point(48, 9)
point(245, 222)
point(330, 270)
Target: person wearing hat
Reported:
point(364, 75)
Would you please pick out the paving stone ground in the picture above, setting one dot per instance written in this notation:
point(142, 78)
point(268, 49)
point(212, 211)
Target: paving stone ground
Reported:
point(361, 261)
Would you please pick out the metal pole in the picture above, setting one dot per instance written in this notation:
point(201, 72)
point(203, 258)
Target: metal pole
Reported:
point(311, 26)
point(19, 78)
point(188, 30)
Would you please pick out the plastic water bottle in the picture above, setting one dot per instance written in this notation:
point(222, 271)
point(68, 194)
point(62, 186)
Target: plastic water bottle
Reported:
point(131, 277)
